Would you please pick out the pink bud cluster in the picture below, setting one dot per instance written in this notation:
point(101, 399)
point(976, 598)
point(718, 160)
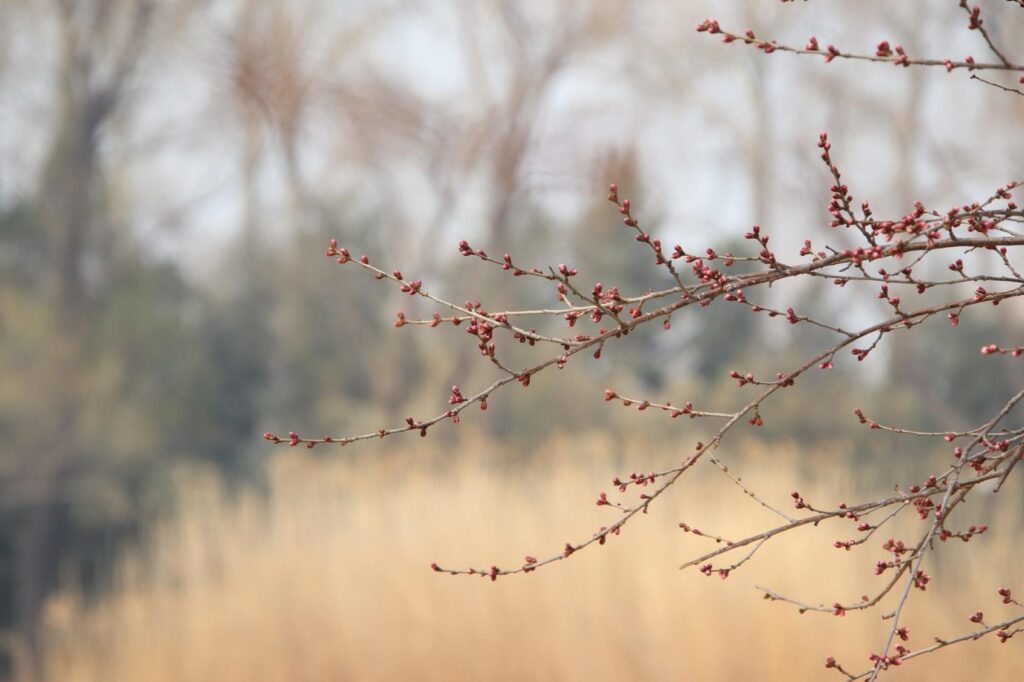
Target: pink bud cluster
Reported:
point(870, 256)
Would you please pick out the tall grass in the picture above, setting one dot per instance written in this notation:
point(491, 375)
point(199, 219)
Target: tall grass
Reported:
point(325, 577)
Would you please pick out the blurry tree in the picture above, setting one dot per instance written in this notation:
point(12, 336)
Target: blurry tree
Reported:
point(76, 292)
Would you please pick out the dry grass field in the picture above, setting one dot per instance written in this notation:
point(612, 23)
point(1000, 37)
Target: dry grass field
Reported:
point(325, 577)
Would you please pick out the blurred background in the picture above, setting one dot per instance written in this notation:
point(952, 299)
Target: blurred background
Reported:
point(170, 173)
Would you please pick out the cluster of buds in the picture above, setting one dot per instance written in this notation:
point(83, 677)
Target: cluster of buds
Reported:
point(603, 314)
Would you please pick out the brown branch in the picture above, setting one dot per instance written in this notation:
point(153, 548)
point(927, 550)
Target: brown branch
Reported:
point(830, 53)
point(976, 77)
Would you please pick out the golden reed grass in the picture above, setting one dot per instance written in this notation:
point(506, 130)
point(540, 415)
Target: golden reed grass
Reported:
point(325, 577)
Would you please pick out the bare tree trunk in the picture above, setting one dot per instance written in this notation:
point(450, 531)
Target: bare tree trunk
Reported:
point(66, 214)
point(66, 202)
